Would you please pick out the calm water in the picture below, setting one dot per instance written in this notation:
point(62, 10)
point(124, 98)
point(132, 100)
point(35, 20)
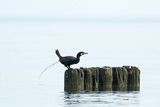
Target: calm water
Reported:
point(27, 47)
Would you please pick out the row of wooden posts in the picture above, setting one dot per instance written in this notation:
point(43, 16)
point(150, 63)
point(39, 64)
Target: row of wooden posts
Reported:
point(126, 78)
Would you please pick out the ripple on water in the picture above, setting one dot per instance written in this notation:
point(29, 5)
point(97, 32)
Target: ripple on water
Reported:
point(95, 99)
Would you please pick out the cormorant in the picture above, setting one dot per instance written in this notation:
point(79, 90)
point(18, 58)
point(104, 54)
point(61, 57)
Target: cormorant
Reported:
point(67, 61)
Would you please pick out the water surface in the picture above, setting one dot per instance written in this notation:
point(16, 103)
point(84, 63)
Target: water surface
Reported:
point(27, 47)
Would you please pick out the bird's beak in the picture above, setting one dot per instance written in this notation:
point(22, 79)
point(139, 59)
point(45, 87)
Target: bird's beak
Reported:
point(85, 53)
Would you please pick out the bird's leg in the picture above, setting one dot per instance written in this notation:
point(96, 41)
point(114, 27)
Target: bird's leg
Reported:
point(67, 66)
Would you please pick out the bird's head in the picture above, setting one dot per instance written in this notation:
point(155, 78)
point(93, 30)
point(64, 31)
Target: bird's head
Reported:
point(81, 53)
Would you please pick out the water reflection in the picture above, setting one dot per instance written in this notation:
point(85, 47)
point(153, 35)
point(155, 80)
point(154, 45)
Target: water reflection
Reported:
point(101, 99)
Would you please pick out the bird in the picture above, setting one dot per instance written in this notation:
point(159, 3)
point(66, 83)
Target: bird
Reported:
point(67, 61)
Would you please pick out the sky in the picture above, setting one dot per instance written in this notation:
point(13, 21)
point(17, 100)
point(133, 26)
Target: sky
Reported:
point(81, 8)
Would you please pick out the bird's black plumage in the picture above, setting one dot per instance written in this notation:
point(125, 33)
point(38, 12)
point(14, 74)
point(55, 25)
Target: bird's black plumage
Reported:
point(67, 61)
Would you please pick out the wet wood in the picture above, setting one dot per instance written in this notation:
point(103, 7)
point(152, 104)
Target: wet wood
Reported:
point(124, 78)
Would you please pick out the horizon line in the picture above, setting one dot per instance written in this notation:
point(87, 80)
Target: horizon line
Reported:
point(81, 19)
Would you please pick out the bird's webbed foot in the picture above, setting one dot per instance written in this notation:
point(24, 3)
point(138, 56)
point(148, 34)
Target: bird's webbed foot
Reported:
point(68, 67)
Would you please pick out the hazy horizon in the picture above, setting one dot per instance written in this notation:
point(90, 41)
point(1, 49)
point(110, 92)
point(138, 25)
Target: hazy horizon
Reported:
point(80, 8)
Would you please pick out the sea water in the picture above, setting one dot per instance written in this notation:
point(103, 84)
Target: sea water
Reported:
point(28, 46)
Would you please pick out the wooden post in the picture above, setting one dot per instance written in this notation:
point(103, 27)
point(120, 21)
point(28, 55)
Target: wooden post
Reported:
point(105, 79)
point(95, 79)
point(74, 80)
point(120, 77)
point(133, 78)
point(87, 79)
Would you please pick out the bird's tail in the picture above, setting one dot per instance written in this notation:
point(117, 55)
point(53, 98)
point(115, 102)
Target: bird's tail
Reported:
point(58, 54)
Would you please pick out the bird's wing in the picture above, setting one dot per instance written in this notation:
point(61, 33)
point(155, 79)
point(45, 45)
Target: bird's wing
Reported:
point(67, 59)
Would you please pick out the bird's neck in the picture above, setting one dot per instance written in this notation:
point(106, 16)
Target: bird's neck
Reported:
point(78, 56)
point(77, 59)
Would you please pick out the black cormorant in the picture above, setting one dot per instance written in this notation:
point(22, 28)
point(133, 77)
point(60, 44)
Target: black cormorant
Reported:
point(67, 61)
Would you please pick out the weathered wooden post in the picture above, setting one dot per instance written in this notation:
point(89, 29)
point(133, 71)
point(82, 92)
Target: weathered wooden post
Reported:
point(120, 77)
point(95, 78)
point(105, 79)
point(124, 78)
point(87, 79)
point(74, 80)
point(133, 78)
